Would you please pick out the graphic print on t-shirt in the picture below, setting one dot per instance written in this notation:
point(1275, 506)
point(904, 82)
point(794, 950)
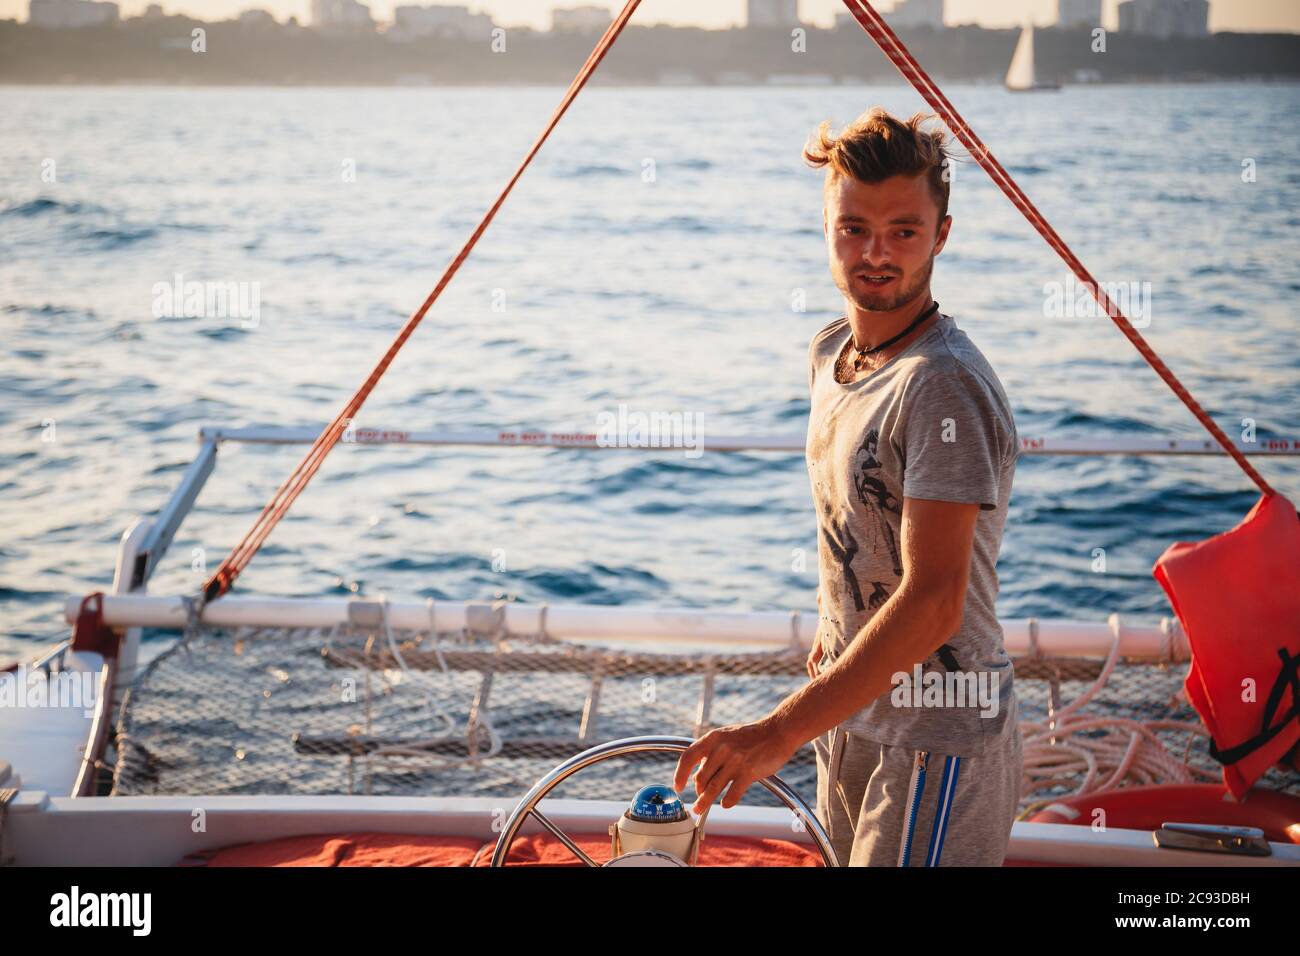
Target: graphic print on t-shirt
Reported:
point(844, 547)
point(875, 498)
point(873, 493)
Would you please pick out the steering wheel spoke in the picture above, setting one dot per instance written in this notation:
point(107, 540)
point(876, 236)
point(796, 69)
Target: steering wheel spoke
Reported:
point(563, 837)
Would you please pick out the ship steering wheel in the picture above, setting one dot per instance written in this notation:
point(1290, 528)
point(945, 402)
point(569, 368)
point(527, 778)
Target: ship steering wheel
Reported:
point(620, 748)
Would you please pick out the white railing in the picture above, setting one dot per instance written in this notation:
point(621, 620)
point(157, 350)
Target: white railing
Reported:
point(578, 438)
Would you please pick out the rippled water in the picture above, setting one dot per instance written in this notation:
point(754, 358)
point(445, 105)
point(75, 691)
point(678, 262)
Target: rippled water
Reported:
point(672, 295)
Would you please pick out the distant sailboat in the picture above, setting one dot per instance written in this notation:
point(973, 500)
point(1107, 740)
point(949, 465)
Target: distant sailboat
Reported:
point(1020, 76)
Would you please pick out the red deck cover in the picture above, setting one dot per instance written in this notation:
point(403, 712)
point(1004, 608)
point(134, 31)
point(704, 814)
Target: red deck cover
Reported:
point(1149, 808)
point(542, 849)
point(535, 849)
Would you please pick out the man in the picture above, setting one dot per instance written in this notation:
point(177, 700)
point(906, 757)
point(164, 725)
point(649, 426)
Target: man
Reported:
point(911, 452)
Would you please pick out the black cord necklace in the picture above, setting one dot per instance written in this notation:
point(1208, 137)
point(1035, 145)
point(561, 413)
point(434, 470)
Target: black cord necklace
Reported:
point(863, 353)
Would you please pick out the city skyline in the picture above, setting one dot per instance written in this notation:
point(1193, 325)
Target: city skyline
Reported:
point(1239, 15)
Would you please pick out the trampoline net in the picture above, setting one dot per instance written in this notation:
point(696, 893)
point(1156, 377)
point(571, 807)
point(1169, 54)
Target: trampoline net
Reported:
point(356, 711)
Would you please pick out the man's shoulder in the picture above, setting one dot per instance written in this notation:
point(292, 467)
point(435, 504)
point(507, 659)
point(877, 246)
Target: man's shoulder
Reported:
point(826, 331)
point(952, 356)
point(820, 351)
point(951, 369)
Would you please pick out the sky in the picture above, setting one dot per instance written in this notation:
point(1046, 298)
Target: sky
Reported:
point(1242, 15)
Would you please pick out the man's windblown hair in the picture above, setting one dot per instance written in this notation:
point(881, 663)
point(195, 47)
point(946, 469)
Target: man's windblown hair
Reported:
point(877, 145)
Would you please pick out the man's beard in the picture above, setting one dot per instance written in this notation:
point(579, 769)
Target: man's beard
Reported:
point(899, 299)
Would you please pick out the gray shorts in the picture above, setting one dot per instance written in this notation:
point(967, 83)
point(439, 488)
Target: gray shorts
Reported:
point(883, 805)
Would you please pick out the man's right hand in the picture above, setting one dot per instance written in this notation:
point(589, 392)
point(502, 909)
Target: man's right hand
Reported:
point(815, 655)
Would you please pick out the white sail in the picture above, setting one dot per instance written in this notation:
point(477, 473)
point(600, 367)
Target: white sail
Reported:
point(1020, 76)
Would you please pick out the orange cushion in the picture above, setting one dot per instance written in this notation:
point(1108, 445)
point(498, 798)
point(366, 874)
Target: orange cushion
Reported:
point(533, 849)
point(346, 849)
point(542, 849)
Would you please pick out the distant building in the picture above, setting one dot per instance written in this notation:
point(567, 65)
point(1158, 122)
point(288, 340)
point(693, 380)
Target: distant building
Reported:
point(678, 78)
point(70, 14)
point(154, 12)
point(411, 22)
point(256, 18)
point(1165, 18)
point(910, 14)
point(772, 13)
point(734, 78)
point(1078, 13)
point(800, 79)
point(581, 19)
point(341, 15)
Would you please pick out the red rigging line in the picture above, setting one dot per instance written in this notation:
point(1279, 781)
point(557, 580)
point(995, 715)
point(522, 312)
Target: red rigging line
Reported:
point(892, 47)
point(912, 71)
point(288, 492)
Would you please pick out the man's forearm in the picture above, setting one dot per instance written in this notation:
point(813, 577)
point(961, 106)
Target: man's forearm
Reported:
point(906, 630)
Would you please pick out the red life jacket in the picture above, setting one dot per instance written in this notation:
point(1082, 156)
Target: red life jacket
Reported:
point(1237, 596)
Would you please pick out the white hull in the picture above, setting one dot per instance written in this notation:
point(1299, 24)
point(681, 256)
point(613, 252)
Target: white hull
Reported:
point(159, 831)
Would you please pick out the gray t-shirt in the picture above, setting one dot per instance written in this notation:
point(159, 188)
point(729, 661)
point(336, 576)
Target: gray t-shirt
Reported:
point(932, 422)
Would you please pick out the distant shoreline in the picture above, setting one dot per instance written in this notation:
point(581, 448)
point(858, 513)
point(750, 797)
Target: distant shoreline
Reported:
point(1267, 80)
point(178, 51)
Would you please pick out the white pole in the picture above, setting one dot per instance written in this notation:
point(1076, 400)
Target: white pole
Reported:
point(619, 625)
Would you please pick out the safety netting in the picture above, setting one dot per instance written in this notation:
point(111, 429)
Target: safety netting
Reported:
point(359, 710)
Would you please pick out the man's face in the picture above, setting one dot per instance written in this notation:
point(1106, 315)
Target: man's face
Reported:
point(882, 229)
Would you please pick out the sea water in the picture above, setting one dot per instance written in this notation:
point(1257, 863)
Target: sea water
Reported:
point(663, 255)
